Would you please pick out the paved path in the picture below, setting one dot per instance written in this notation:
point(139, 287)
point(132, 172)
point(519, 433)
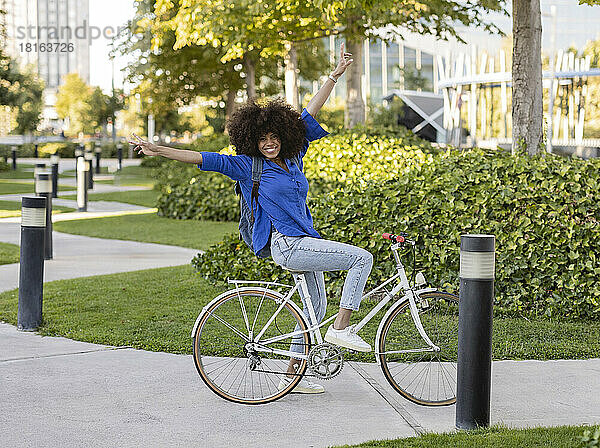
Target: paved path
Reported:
point(59, 392)
point(81, 256)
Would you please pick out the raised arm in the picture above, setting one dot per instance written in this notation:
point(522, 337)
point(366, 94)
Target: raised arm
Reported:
point(182, 155)
point(317, 101)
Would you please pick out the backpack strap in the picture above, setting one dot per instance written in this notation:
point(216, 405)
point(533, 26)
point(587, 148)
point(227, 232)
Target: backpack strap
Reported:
point(257, 168)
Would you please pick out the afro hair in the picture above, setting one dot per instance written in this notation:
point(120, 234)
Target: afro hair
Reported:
point(251, 121)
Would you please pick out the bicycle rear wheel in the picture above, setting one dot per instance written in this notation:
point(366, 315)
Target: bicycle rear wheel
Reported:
point(424, 377)
point(233, 366)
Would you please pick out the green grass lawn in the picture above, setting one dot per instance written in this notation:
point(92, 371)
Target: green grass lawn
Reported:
point(9, 253)
point(13, 208)
point(146, 198)
point(557, 437)
point(10, 187)
point(23, 171)
point(150, 228)
point(156, 309)
point(128, 176)
point(133, 176)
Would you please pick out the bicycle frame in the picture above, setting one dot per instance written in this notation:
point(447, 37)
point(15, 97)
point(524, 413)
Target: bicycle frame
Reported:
point(314, 330)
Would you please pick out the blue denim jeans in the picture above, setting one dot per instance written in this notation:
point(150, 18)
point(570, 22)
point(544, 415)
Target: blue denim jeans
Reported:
point(316, 255)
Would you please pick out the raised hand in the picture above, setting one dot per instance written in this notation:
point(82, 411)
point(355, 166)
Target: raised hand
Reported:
point(343, 63)
point(143, 146)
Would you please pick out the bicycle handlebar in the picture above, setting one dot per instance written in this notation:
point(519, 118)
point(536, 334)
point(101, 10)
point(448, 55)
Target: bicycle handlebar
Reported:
point(394, 238)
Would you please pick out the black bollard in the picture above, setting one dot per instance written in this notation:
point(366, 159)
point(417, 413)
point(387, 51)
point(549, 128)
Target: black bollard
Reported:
point(35, 151)
point(31, 264)
point(98, 151)
point(14, 158)
point(43, 188)
point(120, 156)
point(82, 185)
point(89, 157)
point(476, 297)
point(54, 161)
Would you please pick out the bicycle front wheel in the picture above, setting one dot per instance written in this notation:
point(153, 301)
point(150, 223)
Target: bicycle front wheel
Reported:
point(424, 377)
point(228, 358)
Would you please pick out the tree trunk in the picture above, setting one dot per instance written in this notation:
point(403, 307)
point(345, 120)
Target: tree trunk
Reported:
point(230, 103)
point(291, 76)
point(250, 69)
point(527, 105)
point(355, 106)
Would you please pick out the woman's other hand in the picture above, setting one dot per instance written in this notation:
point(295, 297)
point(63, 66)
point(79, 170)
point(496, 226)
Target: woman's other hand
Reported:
point(343, 63)
point(144, 147)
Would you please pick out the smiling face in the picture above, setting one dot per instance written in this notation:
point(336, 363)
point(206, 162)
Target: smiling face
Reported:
point(269, 145)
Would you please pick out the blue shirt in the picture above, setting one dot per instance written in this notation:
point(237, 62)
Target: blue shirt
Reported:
point(281, 195)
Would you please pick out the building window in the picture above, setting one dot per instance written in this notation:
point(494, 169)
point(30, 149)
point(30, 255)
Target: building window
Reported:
point(427, 70)
point(375, 63)
point(393, 66)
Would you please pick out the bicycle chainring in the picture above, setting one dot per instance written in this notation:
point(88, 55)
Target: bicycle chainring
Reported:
point(326, 360)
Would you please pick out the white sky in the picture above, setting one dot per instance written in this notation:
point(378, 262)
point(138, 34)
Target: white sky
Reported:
point(105, 13)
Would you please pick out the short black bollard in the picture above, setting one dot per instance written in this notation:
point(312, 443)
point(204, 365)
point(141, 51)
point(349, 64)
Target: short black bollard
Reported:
point(43, 188)
point(35, 151)
point(476, 297)
point(54, 159)
point(14, 158)
point(89, 157)
point(82, 184)
point(98, 151)
point(31, 264)
point(120, 155)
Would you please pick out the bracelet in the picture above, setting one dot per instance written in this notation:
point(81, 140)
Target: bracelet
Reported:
point(333, 79)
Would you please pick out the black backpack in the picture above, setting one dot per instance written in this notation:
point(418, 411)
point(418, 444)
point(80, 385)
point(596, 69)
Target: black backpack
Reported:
point(246, 225)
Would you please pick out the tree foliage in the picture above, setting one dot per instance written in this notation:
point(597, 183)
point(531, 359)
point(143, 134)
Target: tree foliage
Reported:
point(21, 90)
point(72, 104)
point(87, 109)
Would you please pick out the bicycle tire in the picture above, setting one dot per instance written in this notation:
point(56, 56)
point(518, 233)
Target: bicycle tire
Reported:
point(218, 347)
point(413, 374)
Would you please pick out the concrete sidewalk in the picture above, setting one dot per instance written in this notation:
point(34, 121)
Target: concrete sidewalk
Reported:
point(58, 392)
point(81, 256)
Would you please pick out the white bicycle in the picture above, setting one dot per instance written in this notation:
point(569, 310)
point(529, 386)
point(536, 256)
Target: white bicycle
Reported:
point(242, 338)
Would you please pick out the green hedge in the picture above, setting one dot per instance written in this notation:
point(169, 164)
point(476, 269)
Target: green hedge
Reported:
point(4, 166)
point(543, 211)
point(330, 163)
point(25, 150)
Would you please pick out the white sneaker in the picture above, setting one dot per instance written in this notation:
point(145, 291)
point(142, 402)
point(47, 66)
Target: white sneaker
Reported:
point(303, 387)
point(347, 338)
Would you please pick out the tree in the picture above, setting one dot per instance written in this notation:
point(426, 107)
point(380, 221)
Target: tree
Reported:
point(249, 32)
point(21, 90)
point(175, 78)
point(30, 102)
point(360, 19)
point(102, 107)
point(73, 104)
point(527, 101)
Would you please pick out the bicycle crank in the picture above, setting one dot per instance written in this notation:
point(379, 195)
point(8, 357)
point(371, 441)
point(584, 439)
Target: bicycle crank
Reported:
point(326, 360)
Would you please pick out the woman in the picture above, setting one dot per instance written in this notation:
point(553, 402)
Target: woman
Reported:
point(279, 134)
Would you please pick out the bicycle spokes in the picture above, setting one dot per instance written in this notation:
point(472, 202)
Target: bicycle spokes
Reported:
point(230, 359)
point(421, 373)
